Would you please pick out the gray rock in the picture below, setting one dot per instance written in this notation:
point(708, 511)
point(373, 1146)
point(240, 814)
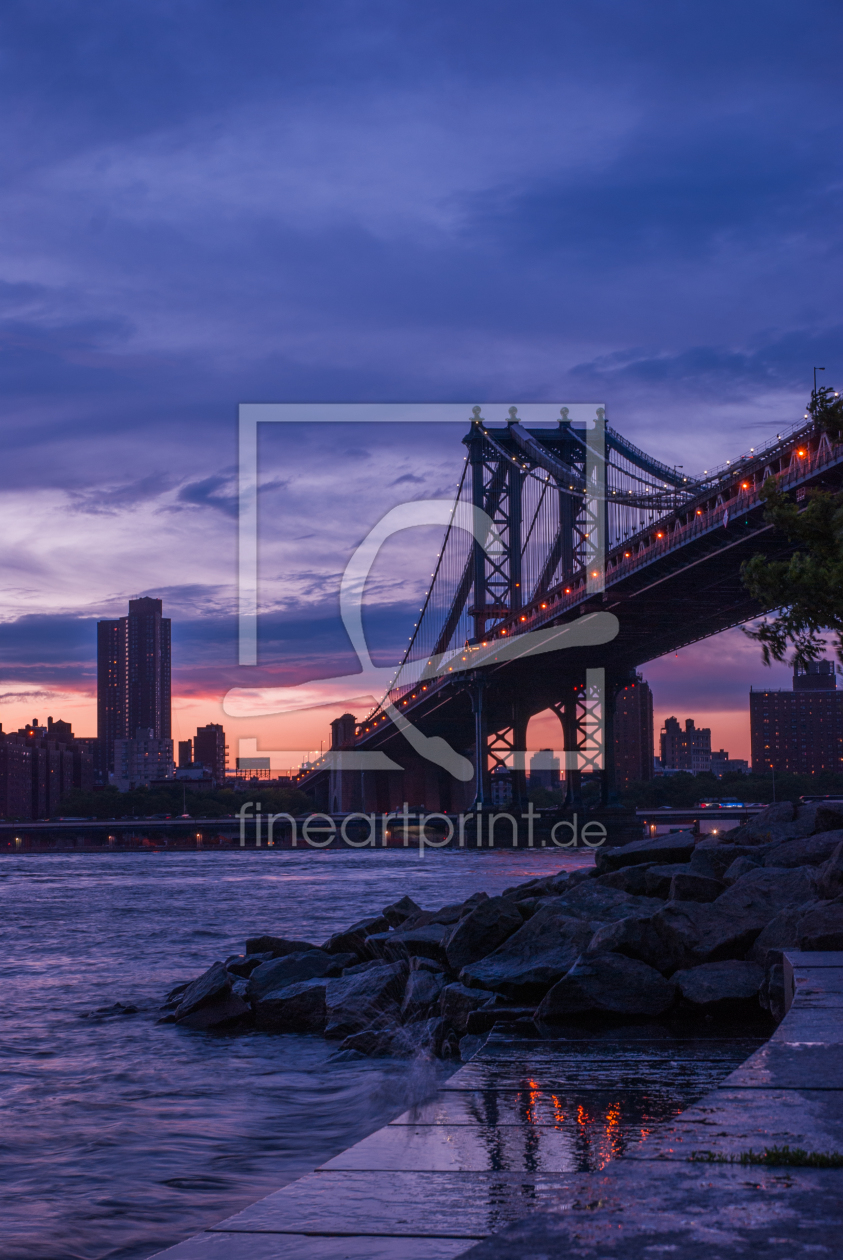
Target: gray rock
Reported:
point(780, 933)
point(713, 860)
point(577, 877)
point(481, 931)
point(807, 852)
point(740, 866)
point(358, 968)
point(629, 879)
point(822, 927)
point(774, 822)
point(592, 900)
point(226, 1009)
point(610, 983)
point(688, 886)
point(355, 1002)
point(658, 878)
point(244, 964)
point(420, 994)
point(760, 894)
point(456, 1003)
point(819, 816)
point(295, 1008)
point(470, 1044)
point(423, 942)
point(446, 914)
point(277, 946)
point(373, 1042)
point(534, 957)
point(212, 986)
point(772, 995)
point(721, 984)
point(681, 934)
point(294, 968)
point(830, 876)
point(353, 939)
point(676, 847)
point(398, 911)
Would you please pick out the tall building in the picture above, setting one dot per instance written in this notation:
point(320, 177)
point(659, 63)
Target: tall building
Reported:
point(688, 750)
point(800, 731)
point(142, 760)
point(185, 754)
point(133, 678)
point(545, 770)
point(722, 763)
point(39, 767)
point(634, 733)
point(209, 750)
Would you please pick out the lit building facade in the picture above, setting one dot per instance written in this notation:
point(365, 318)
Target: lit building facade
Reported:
point(799, 731)
point(633, 728)
point(133, 678)
point(688, 749)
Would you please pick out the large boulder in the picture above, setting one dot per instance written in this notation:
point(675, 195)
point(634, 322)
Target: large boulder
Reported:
point(819, 816)
point(682, 934)
point(830, 876)
point(609, 983)
point(760, 894)
point(482, 930)
point(740, 866)
point(592, 900)
point(779, 934)
point(534, 957)
point(713, 859)
point(445, 914)
point(659, 877)
point(628, 879)
point(292, 969)
point(677, 847)
point(421, 993)
point(277, 946)
point(213, 985)
point(398, 911)
point(355, 1002)
point(822, 927)
point(244, 964)
point(776, 822)
point(229, 1009)
point(457, 1002)
point(688, 886)
point(296, 1008)
point(808, 852)
point(423, 942)
point(353, 939)
point(720, 985)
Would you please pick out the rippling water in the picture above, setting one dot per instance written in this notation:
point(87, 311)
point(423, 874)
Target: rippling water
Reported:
point(121, 1136)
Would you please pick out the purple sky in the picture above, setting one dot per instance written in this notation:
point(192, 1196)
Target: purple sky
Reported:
point(205, 203)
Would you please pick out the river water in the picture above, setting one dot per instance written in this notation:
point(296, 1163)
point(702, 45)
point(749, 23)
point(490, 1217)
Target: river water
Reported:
point(122, 1136)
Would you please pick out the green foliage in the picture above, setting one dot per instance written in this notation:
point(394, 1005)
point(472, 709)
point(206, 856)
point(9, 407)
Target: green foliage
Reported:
point(826, 408)
point(773, 1157)
point(683, 791)
point(806, 590)
point(109, 803)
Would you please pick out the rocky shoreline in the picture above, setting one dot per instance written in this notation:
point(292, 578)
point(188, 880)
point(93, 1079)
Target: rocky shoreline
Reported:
point(672, 928)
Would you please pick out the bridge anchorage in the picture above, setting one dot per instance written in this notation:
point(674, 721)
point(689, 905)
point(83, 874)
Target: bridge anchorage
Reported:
point(586, 558)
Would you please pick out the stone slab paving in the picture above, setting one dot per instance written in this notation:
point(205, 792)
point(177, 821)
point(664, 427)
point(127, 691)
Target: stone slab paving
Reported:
point(511, 1133)
point(661, 1200)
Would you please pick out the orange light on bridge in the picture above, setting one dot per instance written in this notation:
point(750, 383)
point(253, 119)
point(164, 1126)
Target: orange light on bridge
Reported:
point(801, 454)
point(744, 485)
point(544, 605)
point(567, 590)
point(523, 618)
point(627, 554)
point(659, 535)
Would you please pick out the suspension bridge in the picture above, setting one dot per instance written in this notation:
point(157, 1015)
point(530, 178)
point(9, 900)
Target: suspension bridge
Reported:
point(593, 558)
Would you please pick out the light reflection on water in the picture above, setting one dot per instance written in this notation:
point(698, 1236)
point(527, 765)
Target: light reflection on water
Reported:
point(121, 1136)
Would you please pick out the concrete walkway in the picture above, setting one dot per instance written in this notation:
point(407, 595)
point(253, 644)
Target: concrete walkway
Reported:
point(514, 1131)
point(663, 1201)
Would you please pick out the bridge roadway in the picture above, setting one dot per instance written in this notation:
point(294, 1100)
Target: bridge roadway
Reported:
point(673, 584)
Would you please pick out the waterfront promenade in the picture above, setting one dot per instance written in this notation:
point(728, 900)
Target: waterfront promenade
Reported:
point(489, 1160)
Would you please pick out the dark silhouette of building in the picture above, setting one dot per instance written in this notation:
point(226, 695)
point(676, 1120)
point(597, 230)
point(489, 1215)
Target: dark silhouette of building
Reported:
point(545, 770)
point(185, 754)
point(800, 731)
point(15, 777)
point(722, 763)
point(209, 750)
point(133, 678)
point(38, 771)
point(633, 727)
point(688, 750)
